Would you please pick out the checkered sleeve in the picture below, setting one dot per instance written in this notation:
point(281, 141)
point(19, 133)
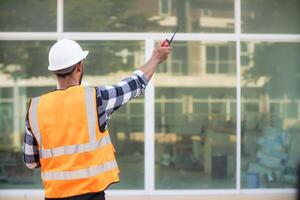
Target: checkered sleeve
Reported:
point(30, 148)
point(111, 98)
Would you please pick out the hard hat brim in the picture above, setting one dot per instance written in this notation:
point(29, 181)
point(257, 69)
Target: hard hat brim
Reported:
point(82, 56)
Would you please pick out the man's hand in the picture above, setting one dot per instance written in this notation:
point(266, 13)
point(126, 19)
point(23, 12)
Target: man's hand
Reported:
point(159, 55)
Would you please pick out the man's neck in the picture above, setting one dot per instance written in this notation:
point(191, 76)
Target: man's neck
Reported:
point(64, 84)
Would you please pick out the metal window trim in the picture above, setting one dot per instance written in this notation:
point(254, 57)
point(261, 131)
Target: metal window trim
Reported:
point(237, 18)
point(60, 16)
point(149, 124)
point(216, 192)
point(203, 37)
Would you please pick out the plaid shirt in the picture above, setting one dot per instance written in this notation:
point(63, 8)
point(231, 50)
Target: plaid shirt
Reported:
point(109, 99)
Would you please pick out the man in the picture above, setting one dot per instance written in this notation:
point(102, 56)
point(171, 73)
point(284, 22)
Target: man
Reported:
point(66, 130)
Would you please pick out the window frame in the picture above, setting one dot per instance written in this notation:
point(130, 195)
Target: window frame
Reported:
point(150, 39)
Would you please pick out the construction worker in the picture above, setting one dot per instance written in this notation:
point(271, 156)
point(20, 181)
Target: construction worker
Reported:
point(66, 130)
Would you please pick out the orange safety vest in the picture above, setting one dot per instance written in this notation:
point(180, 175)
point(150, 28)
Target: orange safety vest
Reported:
point(76, 158)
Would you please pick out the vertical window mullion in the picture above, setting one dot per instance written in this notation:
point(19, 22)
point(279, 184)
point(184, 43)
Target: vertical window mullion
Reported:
point(237, 29)
point(60, 17)
point(149, 170)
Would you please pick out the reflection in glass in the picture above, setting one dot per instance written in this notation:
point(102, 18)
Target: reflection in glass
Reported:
point(126, 128)
point(149, 16)
point(24, 74)
point(112, 60)
point(27, 15)
point(270, 115)
point(276, 16)
point(195, 118)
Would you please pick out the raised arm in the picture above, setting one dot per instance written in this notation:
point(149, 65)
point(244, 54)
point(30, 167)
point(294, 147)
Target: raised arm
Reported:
point(159, 55)
point(111, 98)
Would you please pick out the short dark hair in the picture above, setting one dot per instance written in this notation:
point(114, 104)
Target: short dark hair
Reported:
point(66, 72)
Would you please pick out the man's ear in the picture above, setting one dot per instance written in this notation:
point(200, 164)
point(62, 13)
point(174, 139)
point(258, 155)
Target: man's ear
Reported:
point(79, 66)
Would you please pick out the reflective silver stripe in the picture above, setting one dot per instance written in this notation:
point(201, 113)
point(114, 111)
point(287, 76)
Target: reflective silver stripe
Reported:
point(91, 112)
point(33, 118)
point(82, 173)
point(73, 149)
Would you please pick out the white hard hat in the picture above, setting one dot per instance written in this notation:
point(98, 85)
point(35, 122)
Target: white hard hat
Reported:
point(64, 54)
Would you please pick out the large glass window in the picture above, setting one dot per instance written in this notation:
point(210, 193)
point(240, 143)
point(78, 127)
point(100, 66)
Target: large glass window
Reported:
point(270, 115)
point(28, 15)
point(276, 16)
point(195, 120)
point(148, 16)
